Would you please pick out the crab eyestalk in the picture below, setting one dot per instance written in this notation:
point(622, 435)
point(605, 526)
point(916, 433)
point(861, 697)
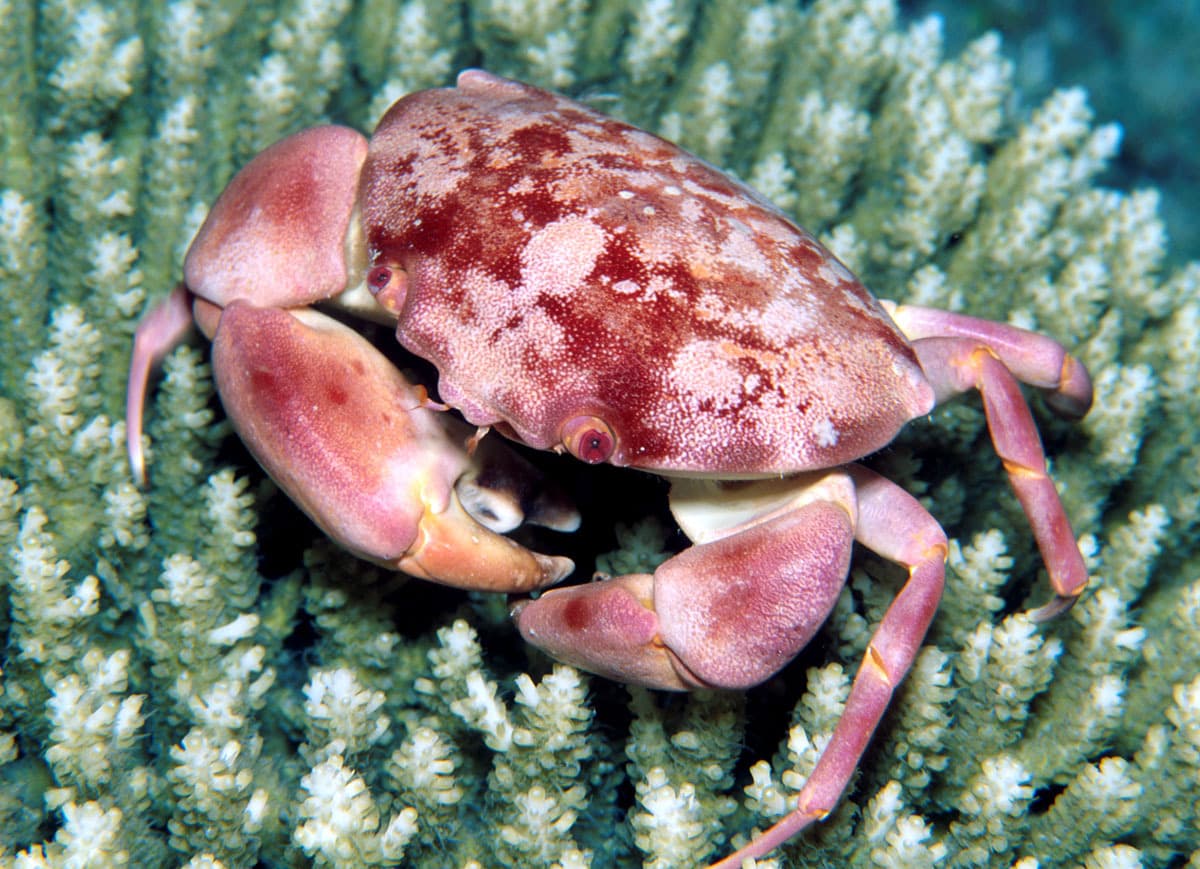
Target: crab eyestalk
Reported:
point(589, 439)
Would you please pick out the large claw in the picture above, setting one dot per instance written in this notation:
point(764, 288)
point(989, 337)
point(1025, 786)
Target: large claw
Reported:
point(725, 613)
point(352, 442)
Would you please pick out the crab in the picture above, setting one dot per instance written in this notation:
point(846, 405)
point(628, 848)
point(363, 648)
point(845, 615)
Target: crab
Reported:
point(585, 287)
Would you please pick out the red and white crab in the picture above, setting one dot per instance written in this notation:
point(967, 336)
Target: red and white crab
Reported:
point(584, 286)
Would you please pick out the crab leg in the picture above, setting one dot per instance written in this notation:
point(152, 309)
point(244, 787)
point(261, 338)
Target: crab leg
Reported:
point(1032, 358)
point(959, 353)
point(893, 524)
point(163, 327)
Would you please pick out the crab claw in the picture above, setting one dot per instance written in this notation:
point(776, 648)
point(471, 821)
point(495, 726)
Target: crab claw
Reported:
point(726, 613)
point(353, 443)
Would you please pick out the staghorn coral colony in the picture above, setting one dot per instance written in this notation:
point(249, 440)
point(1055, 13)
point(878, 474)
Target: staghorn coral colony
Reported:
point(174, 691)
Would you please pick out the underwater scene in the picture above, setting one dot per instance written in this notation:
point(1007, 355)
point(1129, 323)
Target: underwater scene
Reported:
point(193, 674)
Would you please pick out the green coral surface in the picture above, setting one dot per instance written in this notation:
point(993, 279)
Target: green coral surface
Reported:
point(183, 683)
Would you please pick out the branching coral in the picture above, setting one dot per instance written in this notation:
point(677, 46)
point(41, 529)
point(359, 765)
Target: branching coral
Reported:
point(179, 687)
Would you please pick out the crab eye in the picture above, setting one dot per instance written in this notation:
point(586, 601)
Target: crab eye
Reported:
point(378, 278)
point(388, 284)
point(589, 439)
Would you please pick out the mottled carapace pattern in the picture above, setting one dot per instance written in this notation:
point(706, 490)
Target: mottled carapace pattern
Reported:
point(562, 263)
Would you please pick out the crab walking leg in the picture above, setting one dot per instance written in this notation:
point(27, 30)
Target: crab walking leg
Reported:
point(353, 444)
point(955, 365)
point(892, 523)
point(960, 353)
point(159, 332)
point(1032, 358)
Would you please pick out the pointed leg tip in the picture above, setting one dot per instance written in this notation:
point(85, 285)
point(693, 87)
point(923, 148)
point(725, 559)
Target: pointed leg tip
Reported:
point(1053, 608)
point(137, 467)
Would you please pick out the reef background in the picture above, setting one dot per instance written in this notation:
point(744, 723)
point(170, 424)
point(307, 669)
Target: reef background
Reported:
point(191, 676)
point(1138, 62)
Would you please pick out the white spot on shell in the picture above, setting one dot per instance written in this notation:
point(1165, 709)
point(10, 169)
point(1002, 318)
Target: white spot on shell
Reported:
point(833, 272)
point(561, 255)
point(704, 372)
point(784, 318)
point(826, 433)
